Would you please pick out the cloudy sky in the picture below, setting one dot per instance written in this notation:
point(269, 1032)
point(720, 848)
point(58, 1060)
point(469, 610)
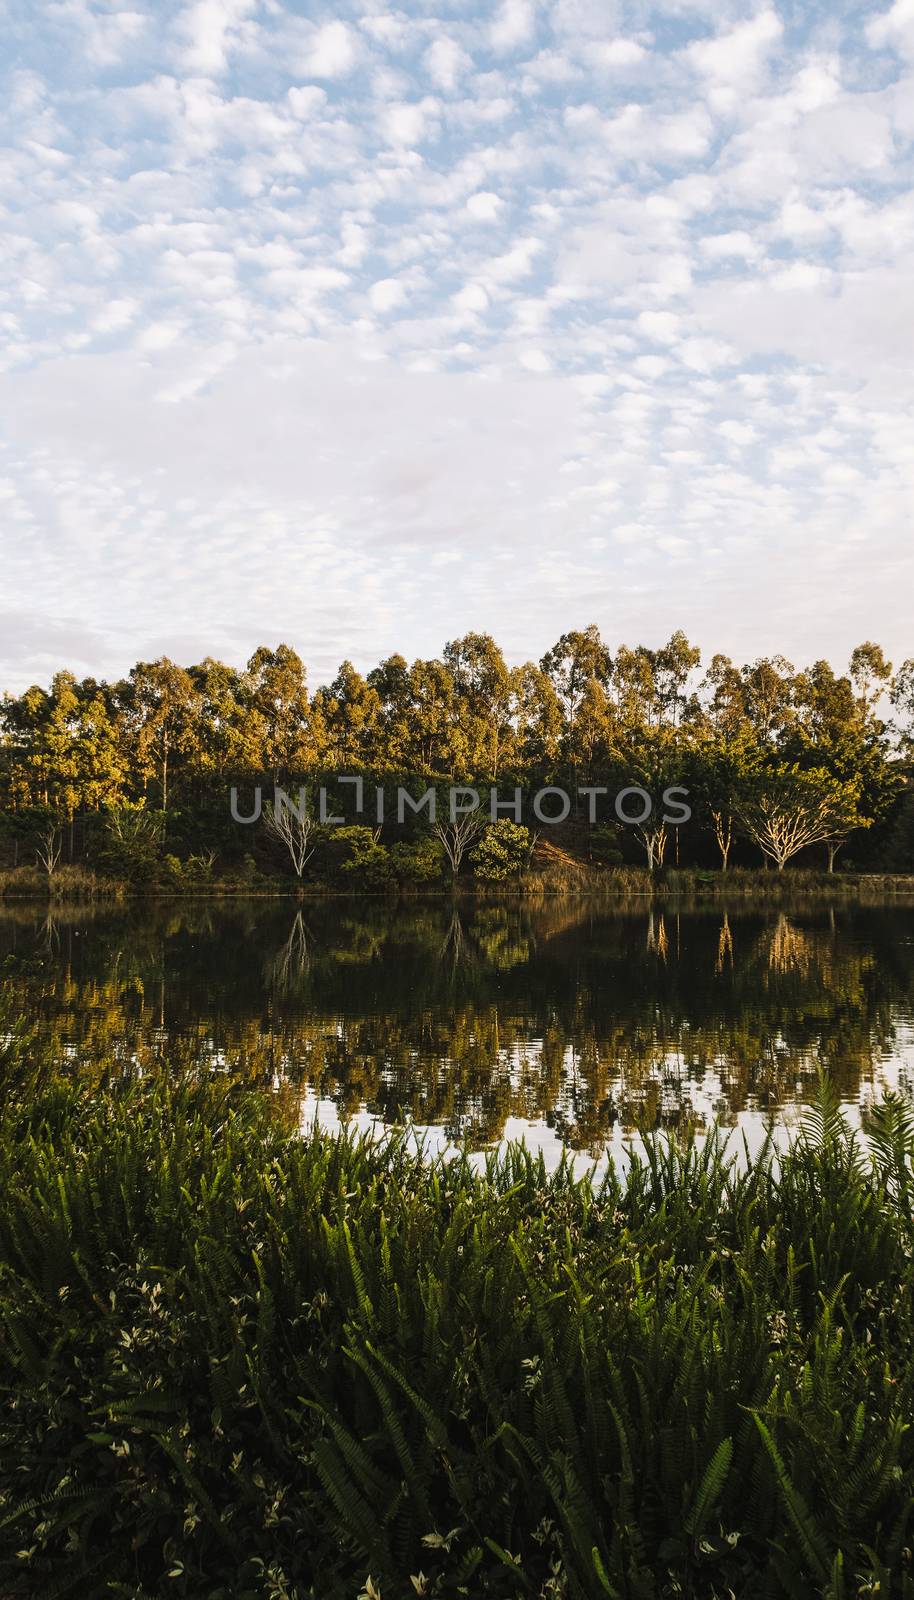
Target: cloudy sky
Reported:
point(360, 326)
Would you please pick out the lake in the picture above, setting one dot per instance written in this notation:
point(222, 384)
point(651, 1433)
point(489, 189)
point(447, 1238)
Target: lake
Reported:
point(566, 1022)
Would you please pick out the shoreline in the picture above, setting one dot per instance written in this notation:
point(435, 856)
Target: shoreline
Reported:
point(687, 886)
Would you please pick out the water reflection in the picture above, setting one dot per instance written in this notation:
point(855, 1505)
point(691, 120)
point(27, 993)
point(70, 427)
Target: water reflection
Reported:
point(471, 1019)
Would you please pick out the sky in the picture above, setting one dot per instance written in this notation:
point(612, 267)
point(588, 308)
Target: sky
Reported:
point(359, 327)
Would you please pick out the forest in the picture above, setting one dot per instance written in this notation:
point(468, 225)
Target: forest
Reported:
point(130, 780)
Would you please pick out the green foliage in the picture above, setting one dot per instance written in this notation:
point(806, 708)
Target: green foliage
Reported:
point(236, 1362)
point(421, 861)
point(802, 758)
point(365, 860)
point(131, 840)
point(503, 851)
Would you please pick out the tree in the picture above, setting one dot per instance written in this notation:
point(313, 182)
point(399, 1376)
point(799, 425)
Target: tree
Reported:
point(785, 809)
point(286, 740)
point(482, 687)
point(840, 731)
point(436, 745)
point(902, 698)
point(768, 691)
point(577, 666)
point(392, 684)
point(537, 716)
point(457, 836)
point(133, 836)
point(350, 712)
point(673, 665)
point(870, 672)
point(162, 707)
point(295, 829)
point(223, 741)
point(503, 851)
point(47, 850)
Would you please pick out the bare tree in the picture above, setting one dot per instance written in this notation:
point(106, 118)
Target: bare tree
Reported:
point(291, 961)
point(456, 949)
point(654, 837)
point(48, 850)
point(723, 833)
point(294, 829)
point(458, 836)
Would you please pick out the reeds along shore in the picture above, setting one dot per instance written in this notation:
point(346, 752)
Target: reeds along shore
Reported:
point(235, 1362)
point(563, 879)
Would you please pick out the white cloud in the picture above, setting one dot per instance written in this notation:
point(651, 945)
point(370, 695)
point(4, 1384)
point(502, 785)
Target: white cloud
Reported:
point(158, 336)
point(472, 297)
point(209, 29)
point(332, 51)
point(733, 61)
point(619, 53)
point(667, 271)
point(663, 326)
point(721, 246)
point(446, 63)
point(513, 25)
point(894, 27)
point(387, 294)
point(484, 206)
point(306, 102)
point(407, 123)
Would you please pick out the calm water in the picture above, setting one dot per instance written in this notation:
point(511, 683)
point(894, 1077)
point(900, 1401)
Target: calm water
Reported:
point(562, 1023)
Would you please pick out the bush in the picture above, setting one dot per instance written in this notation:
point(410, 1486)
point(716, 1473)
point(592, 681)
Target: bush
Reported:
point(502, 852)
point(131, 841)
point(420, 861)
point(366, 862)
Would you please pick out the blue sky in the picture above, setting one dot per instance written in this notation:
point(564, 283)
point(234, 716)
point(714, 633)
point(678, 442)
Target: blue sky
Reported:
point(361, 326)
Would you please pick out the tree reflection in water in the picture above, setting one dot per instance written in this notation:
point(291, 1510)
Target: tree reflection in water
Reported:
point(564, 1014)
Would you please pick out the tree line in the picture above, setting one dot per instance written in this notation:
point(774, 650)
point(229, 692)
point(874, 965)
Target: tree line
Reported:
point(779, 758)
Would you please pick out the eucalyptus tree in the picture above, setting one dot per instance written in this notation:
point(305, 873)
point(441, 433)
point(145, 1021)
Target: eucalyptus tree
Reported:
point(901, 695)
point(223, 744)
point(579, 667)
point(537, 718)
point(437, 746)
point(483, 700)
point(160, 704)
point(285, 737)
point(350, 715)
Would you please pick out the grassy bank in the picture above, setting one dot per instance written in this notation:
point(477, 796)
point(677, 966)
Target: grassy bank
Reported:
point(555, 874)
point(235, 1363)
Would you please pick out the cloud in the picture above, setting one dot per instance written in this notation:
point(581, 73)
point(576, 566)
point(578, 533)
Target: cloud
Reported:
point(733, 61)
point(332, 51)
point(513, 25)
point(484, 206)
point(387, 294)
point(446, 63)
point(407, 123)
point(281, 282)
point(894, 28)
point(619, 53)
point(209, 30)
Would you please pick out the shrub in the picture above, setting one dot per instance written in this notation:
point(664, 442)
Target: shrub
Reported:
point(418, 861)
point(503, 851)
point(366, 861)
